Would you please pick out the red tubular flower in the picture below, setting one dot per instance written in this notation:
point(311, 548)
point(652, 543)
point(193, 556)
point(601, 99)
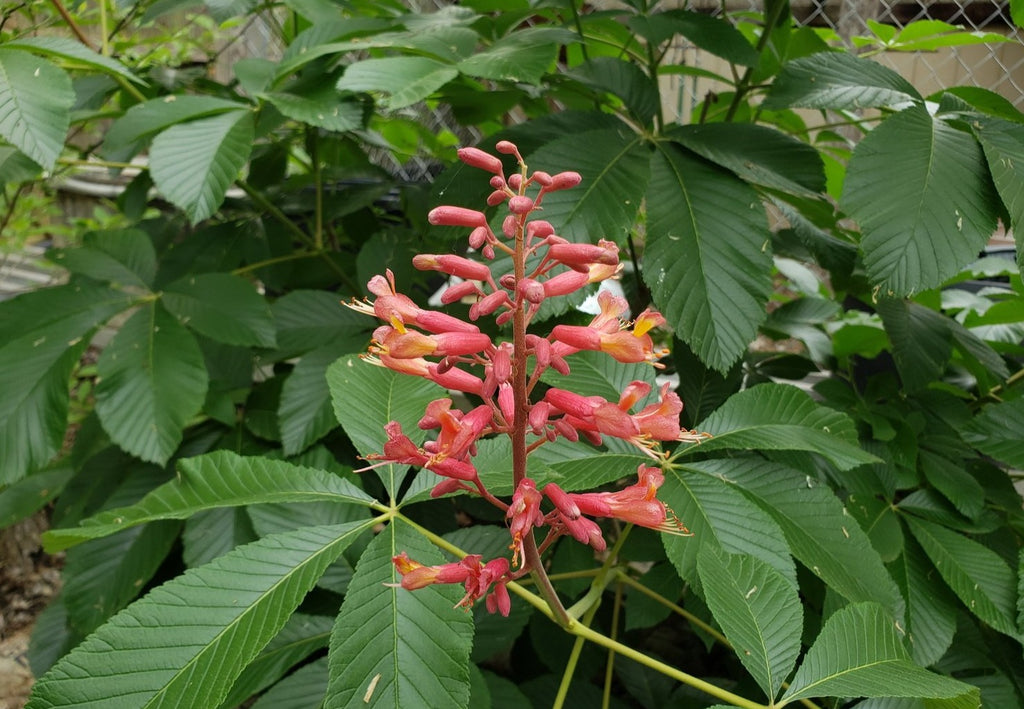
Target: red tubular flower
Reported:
point(525, 515)
point(635, 504)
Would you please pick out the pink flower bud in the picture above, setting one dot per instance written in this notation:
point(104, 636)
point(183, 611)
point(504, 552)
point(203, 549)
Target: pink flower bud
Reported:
point(563, 181)
point(456, 379)
point(532, 291)
point(538, 416)
point(474, 157)
point(515, 181)
point(578, 336)
point(504, 317)
point(456, 216)
point(478, 237)
point(565, 283)
point(520, 204)
point(508, 226)
point(539, 229)
point(442, 322)
point(448, 486)
point(508, 281)
point(580, 256)
point(488, 304)
point(452, 265)
point(566, 429)
point(569, 402)
point(506, 402)
point(497, 182)
point(459, 291)
point(497, 197)
point(541, 178)
point(561, 500)
point(507, 147)
point(455, 344)
point(541, 350)
point(487, 252)
point(501, 361)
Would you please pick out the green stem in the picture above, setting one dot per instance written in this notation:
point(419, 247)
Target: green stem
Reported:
point(628, 580)
point(295, 255)
point(272, 209)
point(605, 575)
point(579, 30)
point(318, 189)
point(743, 87)
point(609, 667)
point(574, 658)
point(104, 42)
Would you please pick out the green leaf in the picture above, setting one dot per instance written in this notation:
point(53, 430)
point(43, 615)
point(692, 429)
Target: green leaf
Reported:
point(712, 34)
point(216, 480)
point(222, 306)
point(194, 163)
point(924, 200)
point(366, 398)
point(306, 413)
point(303, 689)
point(123, 257)
point(146, 119)
point(929, 35)
point(152, 381)
point(301, 636)
point(931, 617)
point(30, 494)
point(978, 576)
point(1017, 12)
point(42, 335)
point(859, 654)
point(1003, 144)
point(722, 519)
point(948, 476)
point(921, 341)
point(614, 165)
point(322, 107)
point(35, 106)
point(782, 417)
point(523, 56)
point(214, 532)
point(759, 610)
point(186, 641)
point(16, 167)
point(998, 431)
point(758, 154)
point(102, 576)
point(838, 80)
point(819, 532)
point(410, 647)
point(74, 52)
point(706, 262)
point(406, 80)
point(307, 320)
point(623, 79)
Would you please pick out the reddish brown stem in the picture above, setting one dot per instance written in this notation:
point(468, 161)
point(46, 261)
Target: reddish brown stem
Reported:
point(72, 25)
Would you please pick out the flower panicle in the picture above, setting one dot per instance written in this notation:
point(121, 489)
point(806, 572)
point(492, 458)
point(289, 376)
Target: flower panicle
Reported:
point(501, 375)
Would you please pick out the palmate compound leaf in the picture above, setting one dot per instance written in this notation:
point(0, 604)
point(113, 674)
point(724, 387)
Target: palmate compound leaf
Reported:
point(396, 648)
point(817, 529)
point(759, 610)
point(706, 262)
point(185, 642)
point(194, 163)
point(859, 653)
point(366, 398)
point(999, 432)
point(218, 479)
point(923, 196)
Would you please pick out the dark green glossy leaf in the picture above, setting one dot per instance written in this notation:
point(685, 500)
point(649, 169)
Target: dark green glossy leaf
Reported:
point(838, 80)
point(998, 431)
point(224, 307)
point(706, 261)
point(405, 80)
point(523, 56)
point(924, 199)
point(146, 119)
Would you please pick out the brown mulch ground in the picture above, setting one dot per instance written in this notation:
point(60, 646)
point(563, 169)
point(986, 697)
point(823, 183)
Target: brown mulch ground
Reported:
point(29, 578)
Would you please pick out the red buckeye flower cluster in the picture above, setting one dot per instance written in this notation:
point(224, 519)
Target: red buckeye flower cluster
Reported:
point(502, 376)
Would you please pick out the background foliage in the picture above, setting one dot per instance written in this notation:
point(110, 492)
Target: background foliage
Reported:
point(207, 475)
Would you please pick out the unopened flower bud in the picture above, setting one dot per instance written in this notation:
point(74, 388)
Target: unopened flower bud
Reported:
point(539, 229)
point(506, 402)
point(456, 216)
point(515, 181)
point(508, 281)
point(504, 317)
point(541, 350)
point(538, 417)
point(488, 304)
point(520, 204)
point(459, 291)
point(478, 237)
point(497, 182)
point(507, 147)
point(474, 157)
point(532, 291)
point(508, 226)
point(542, 178)
point(497, 197)
point(565, 283)
point(501, 361)
point(452, 265)
point(563, 181)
